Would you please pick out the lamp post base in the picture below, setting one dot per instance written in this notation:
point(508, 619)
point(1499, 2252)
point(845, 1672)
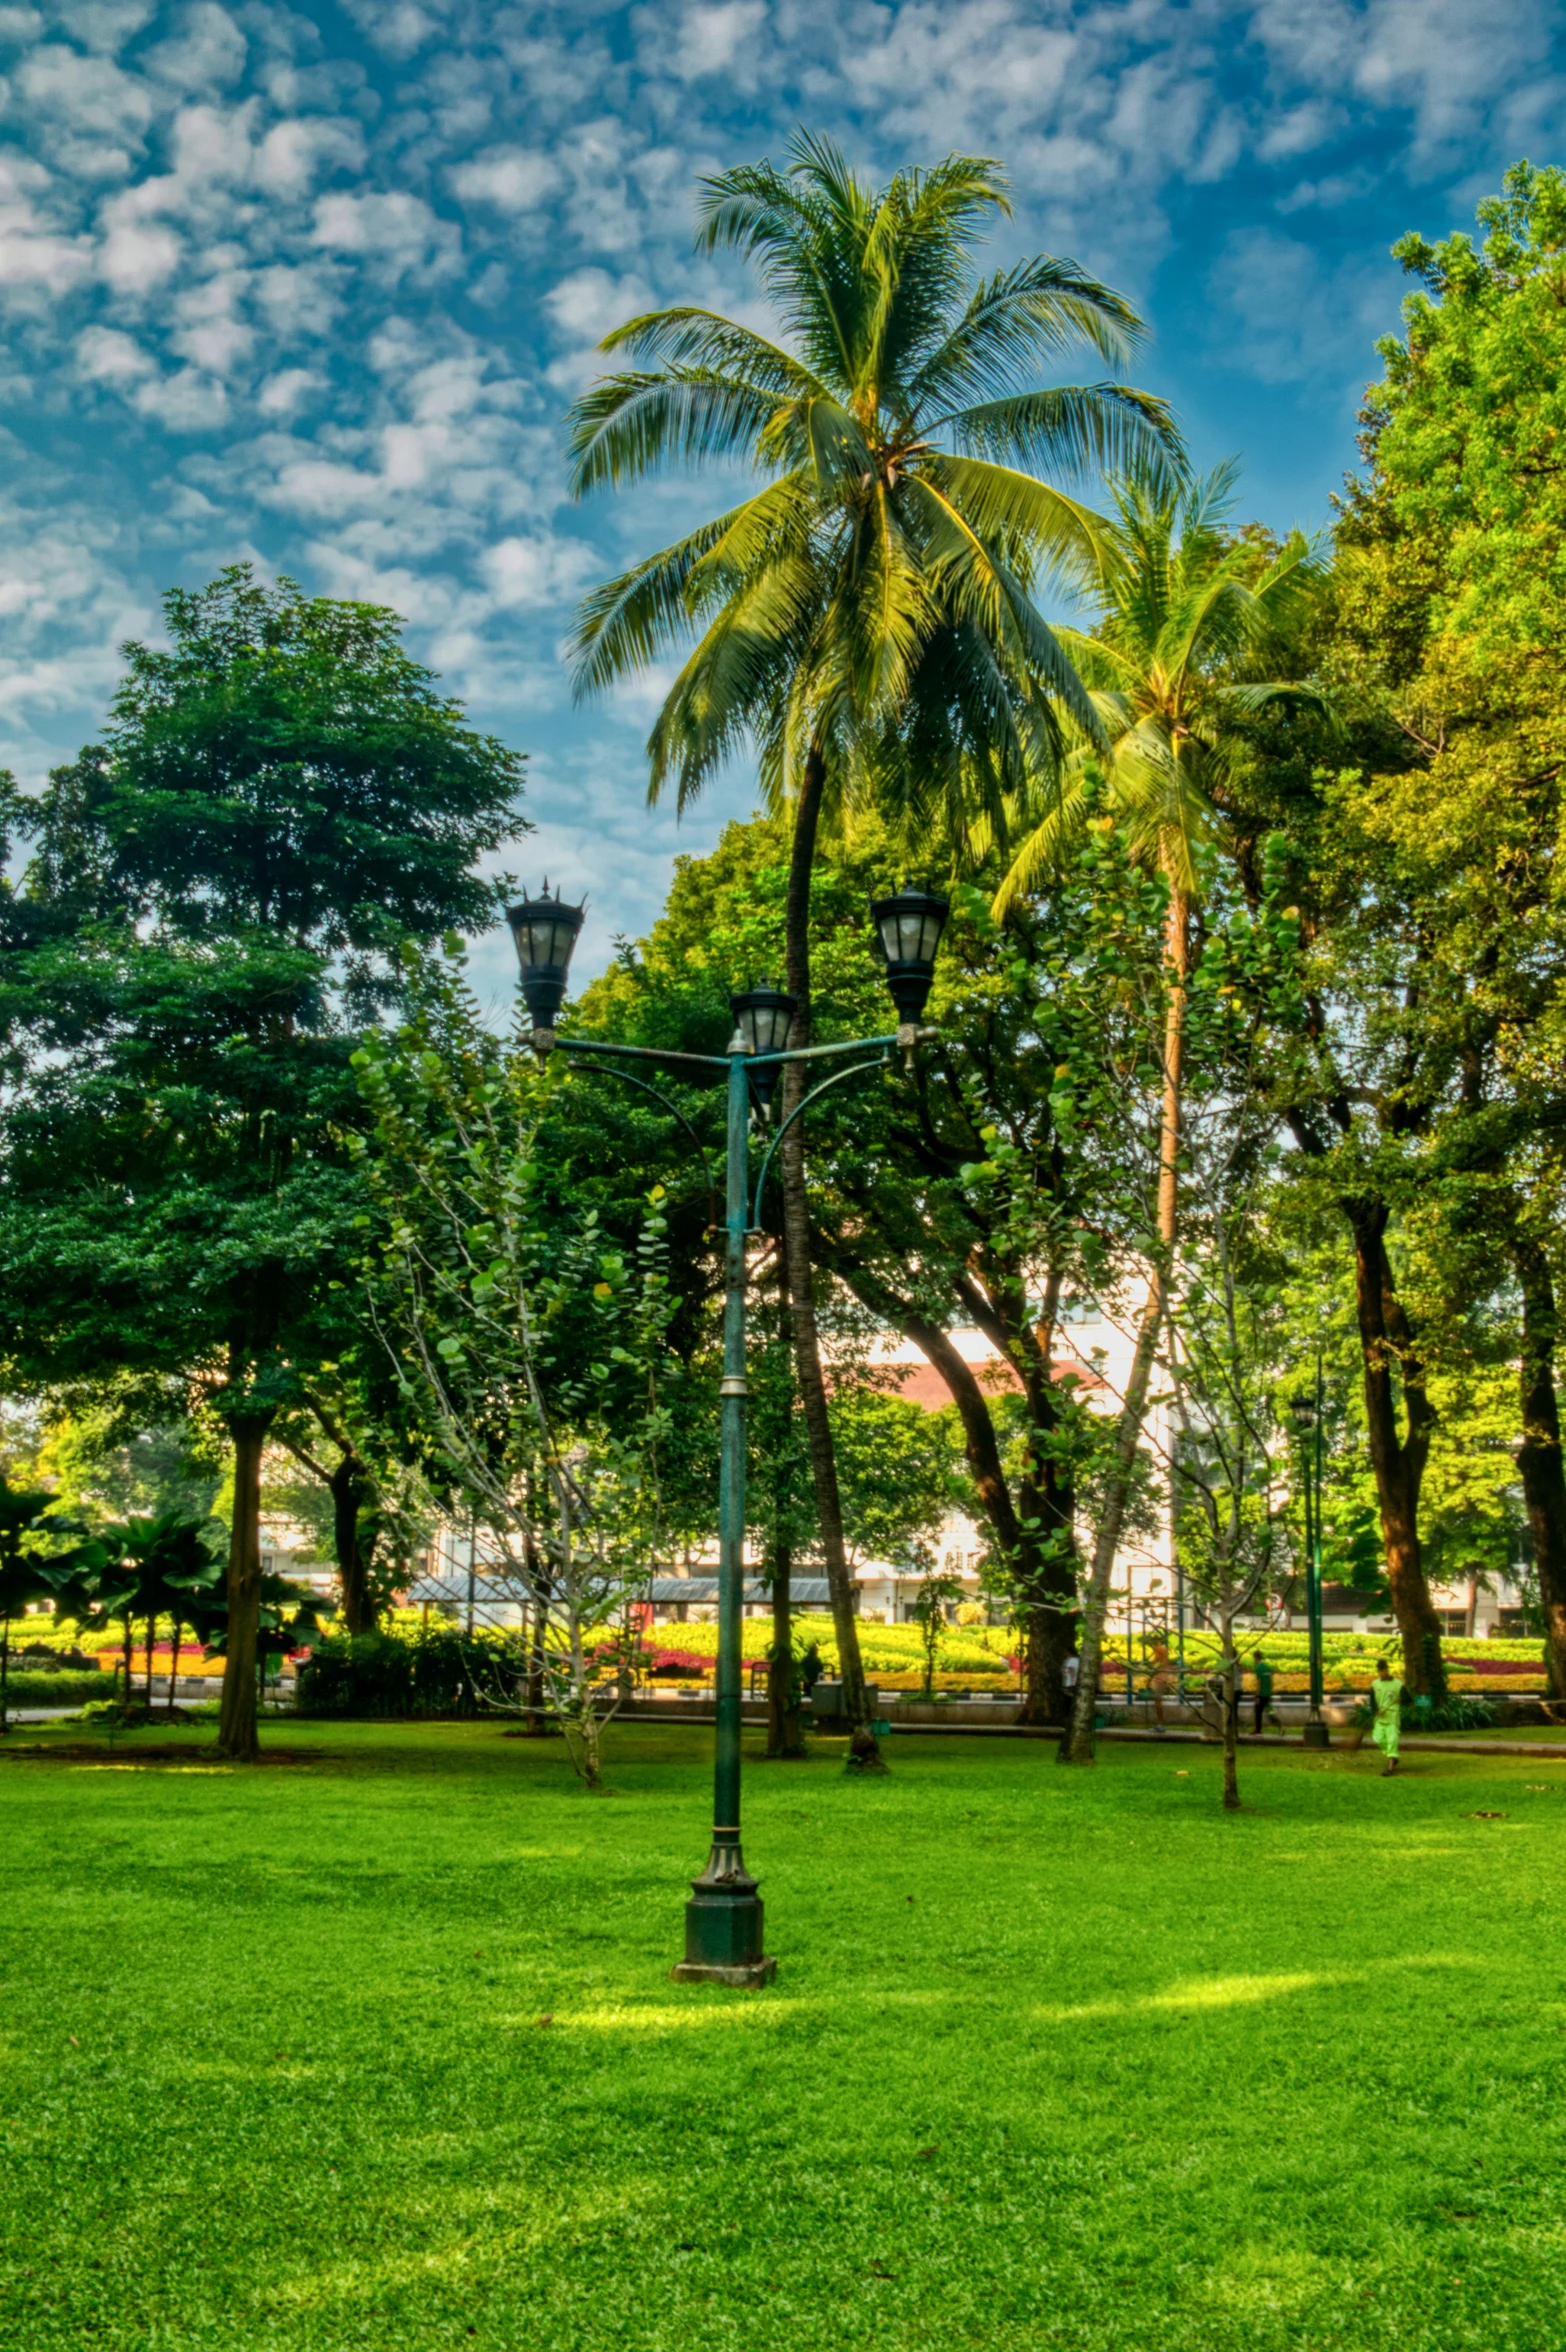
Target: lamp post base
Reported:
point(749, 1973)
point(1317, 1735)
point(723, 1923)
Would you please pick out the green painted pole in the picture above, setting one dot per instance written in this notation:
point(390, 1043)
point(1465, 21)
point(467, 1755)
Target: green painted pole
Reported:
point(723, 1919)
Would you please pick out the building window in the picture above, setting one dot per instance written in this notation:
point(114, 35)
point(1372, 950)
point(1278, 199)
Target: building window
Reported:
point(1452, 1620)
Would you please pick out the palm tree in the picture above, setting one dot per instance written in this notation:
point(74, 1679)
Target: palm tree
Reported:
point(865, 620)
point(1189, 620)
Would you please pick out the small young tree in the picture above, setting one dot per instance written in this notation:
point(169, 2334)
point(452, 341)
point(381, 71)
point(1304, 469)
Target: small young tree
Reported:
point(530, 1352)
point(935, 1596)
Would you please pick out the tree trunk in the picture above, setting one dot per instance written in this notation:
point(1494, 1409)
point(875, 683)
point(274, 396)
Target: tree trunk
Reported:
point(152, 1635)
point(1539, 1456)
point(535, 1719)
point(237, 1722)
point(350, 1486)
point(785, 1727)
point(5, 1670)
point(126, 1656)
point(801, 1281)
point(1231, 1717)
point(1036, 1540)
point(1391, 1362)
point(1078, 1748)
point(174, 1663)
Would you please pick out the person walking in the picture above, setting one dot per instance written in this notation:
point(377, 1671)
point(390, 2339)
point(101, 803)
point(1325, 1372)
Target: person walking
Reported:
point(1262, 1669)
point(1386, 1707)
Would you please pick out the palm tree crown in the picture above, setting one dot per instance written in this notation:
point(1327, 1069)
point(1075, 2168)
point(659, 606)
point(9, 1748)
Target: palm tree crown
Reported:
point(872, 603)
point(1189, 622)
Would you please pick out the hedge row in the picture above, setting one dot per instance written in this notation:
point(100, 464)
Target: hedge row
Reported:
point(443, 1672)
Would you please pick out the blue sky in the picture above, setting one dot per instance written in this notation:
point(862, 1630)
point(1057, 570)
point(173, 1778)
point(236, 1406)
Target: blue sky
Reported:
point(314, 288)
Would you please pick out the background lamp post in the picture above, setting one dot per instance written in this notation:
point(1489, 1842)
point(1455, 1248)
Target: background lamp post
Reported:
point(724, 1916)
point(1307, 1415)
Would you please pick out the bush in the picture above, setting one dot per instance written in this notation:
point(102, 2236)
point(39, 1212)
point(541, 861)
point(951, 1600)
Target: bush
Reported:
point(443, 1672)
point(1450, 1714)
point(55, 1690)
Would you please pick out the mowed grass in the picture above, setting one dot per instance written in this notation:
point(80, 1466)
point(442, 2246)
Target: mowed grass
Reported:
point(380, 2050)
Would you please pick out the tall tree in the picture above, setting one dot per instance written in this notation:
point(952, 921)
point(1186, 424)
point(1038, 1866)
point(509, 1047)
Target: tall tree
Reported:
point(866, 620)
point(1446, 900)
point(1189, 625)
point(280, 796)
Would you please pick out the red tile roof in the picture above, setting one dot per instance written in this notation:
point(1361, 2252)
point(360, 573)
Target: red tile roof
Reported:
point(921, 1384)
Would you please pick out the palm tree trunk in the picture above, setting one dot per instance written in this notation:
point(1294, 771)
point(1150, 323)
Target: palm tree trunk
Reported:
point(237, 1723)
point(801, 1282)
point(174, 1664)
point(1078, 1747)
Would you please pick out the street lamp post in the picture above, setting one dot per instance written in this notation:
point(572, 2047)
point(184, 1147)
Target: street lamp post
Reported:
point(723, 1918)
point(1307, 1412)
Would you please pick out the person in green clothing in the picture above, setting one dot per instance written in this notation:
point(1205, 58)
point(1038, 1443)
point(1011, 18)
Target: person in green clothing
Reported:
point(1262, 1669)
point(1386, 1707)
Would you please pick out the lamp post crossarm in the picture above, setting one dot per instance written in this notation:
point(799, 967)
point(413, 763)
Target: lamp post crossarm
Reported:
point(628, 1078)
point(645, 1053)
point(839, 1078)
point(821, 1053)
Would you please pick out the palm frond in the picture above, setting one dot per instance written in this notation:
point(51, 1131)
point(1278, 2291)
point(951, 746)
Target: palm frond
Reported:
point(689, 337)
point(628, 426)
point(1017, 320)
point(1072, 428)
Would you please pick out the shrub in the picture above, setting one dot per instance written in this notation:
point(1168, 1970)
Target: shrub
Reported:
point(443, 1672)
point(27, 1689)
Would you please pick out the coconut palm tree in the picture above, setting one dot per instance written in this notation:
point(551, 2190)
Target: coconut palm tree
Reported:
point(1190, 624)
point(864, 621)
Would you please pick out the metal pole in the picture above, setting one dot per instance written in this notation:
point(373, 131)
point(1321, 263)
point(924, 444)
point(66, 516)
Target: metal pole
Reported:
point(723, 1919)
point(1316, 1732)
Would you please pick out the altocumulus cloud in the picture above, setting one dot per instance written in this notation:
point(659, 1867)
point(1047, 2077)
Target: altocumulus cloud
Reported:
point(315, 291)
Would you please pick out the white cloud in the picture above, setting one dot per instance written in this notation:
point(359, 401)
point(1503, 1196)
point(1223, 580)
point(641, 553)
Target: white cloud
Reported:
point(281, 394)
point(209, 53)
point(529, 574)
point(33, 252)
point(723, 39)
point(512, 179)
point(187, 402)
point(397, 235)
point(139, 250)
point(110, 357)
point(209, 332)
point(89, 96)
point(294, 154)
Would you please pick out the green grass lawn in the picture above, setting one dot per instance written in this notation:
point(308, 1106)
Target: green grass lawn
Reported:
point(380, 2050)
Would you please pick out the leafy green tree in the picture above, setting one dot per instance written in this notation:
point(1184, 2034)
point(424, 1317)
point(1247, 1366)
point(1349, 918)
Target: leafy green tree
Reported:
point(29, 1521)
point(1442, 913)
point(281, 795)
point(866, 620)
point(900, 1472)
